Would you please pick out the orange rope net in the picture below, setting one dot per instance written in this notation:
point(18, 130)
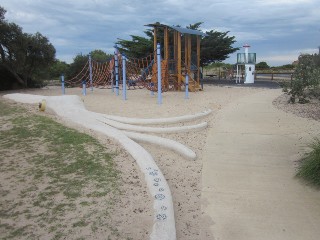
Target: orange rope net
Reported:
point(140, 73)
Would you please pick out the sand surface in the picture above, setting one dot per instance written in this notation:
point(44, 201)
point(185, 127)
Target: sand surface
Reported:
point(183, 175)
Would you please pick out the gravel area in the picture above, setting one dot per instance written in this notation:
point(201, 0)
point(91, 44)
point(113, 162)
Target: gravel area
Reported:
point(308, 110)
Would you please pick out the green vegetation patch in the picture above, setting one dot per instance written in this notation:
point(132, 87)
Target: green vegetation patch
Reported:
point(53, 179)
point(309, 168)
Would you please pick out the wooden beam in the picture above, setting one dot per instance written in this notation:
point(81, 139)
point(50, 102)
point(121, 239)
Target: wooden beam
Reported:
point(166, 44)
point(175, 53)
point(179, 60)
point(198, 58)
point(186, 50)
point(155, 43)
point(189, 54)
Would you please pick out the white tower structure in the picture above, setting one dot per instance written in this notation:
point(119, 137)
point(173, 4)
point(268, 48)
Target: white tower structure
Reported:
point(248, 60)
point(249, 66)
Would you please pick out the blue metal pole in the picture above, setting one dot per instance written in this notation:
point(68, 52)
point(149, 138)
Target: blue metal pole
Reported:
point(124, 80)
point(62, 84)
point(187, 87)
point(84, 88)
point(116, 65)
point(159, 74)
point(90, 71)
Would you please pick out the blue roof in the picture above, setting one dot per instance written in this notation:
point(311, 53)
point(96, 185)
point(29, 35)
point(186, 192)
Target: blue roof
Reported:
point(180, 29)
point(188, 31)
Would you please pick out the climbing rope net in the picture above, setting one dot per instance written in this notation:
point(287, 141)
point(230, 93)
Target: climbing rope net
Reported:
point(140, 73)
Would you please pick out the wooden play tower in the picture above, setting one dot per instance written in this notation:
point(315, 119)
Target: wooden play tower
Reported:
point(177, 61)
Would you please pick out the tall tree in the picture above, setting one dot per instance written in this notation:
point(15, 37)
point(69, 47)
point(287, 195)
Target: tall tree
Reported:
point(23, 55)
point(101, 56)
point(138, 47)
point(2, 13)
point(80, 61)
point(262, 65)
point(57, 69)
point(216, 47)
point(39, 56)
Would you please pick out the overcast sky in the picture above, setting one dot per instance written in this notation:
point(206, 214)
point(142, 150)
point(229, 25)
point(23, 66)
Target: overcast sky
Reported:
point(277, 30)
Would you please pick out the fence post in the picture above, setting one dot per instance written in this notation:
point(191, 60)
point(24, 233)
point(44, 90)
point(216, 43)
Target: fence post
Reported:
point(116, 66)
point(62, 84)
point(159, 74)
point(187, 87)
point(124, 80)
point(90, 71)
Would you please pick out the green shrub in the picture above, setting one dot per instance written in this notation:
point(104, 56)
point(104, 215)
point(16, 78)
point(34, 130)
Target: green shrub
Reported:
point(309, 168)
point(306, 78)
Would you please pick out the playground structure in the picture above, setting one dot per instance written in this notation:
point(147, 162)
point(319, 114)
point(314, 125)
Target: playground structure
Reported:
point(248, 60)
point(180, 69)
point(177, 64)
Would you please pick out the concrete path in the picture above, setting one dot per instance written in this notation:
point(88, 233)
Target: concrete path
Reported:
point(248, 186)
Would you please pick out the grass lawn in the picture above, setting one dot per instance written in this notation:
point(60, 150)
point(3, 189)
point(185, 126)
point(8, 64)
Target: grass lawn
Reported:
point(55, 183)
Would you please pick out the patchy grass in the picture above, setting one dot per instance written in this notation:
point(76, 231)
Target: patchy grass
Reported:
point(55, 183)
point(309, 168)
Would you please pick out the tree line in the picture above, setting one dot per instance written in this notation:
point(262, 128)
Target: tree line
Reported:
point(215, 46)
point(23, 57)
point(26, 59)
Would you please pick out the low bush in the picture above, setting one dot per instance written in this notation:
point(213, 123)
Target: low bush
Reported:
point(309, 168)
point(306, 79)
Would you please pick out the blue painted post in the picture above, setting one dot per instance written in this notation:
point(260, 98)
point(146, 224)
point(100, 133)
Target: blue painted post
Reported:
point(90, 72)
point(159, 74)
point(187, 87)
point(116, 65)
point(124, 80)
point(62, 84)
point(84, 88)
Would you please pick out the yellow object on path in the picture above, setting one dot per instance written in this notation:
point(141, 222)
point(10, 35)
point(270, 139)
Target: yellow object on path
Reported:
point(42, 105)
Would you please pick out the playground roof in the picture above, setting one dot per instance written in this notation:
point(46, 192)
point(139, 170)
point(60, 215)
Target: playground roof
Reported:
point(179, 29)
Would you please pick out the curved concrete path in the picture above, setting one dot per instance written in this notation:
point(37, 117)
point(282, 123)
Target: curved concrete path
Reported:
point(248, 186)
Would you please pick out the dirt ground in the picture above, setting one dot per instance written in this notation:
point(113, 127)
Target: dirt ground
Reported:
point(133, 214)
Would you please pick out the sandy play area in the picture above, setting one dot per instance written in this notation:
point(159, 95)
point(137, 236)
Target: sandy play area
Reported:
point(134, 212)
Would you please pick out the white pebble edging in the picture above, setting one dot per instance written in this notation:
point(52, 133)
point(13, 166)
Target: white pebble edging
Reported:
point(163, 142)
point(146, 121)
point(71, 108)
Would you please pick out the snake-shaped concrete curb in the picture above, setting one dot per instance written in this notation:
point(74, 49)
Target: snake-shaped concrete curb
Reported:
point(124, 126)
point(163, 142)
point(71, 108)
point(146, 121)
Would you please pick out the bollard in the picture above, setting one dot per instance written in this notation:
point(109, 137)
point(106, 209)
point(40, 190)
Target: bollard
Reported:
point(159, 74)
point(124, 80)
point(62, 84)
point(187, 87)
point(116, 66)
point(84, 88)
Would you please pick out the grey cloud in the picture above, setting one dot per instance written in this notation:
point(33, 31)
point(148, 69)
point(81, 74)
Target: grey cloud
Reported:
point(74, 26)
